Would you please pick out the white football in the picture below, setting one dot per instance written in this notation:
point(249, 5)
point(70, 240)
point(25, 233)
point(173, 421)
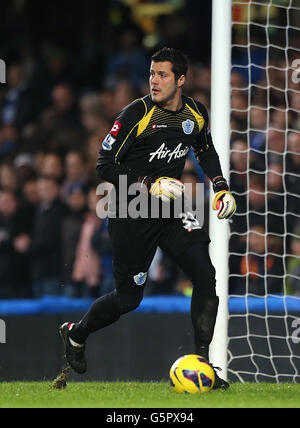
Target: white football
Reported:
point(170, 188)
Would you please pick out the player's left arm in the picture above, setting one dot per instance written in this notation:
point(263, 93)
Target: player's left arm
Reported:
point(209, 161)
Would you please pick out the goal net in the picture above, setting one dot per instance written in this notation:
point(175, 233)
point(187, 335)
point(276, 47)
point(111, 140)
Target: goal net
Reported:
point(264, 246)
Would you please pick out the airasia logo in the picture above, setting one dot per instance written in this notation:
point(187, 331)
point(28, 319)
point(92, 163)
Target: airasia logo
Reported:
point(116, 128)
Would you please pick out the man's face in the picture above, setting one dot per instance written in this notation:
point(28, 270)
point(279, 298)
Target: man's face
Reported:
point(163, 85)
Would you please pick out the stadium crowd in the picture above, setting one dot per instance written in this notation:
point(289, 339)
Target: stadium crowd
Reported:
point(53, 118)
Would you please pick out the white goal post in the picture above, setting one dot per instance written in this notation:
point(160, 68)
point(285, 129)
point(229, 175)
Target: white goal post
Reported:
point(220, 129)
point(255, 125)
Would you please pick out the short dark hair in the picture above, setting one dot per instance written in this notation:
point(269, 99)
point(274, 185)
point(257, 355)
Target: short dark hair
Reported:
point(178, 60)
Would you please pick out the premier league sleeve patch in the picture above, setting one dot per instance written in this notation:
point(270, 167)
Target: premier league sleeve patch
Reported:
point(108, 142)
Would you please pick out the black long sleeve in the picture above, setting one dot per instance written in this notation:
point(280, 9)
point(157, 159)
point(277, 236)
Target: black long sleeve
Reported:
point(204, 149)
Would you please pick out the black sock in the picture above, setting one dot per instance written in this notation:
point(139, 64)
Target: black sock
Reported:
point(105, 311)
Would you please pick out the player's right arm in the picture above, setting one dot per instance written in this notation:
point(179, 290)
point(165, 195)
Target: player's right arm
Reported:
point(208, 159)
point(110, 163)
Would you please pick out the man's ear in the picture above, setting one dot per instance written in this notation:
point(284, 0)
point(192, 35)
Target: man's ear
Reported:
point(180, 81)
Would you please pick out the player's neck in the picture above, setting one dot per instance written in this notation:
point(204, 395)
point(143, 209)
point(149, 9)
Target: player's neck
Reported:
point(174, 103)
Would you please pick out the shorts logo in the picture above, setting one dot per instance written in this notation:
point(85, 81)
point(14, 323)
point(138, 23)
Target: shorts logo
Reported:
point(116, 128)
point(140, 278)
point(108, 142)
point(188, 126)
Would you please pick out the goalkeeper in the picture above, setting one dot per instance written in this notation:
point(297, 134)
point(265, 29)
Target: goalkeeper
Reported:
point(148, 144)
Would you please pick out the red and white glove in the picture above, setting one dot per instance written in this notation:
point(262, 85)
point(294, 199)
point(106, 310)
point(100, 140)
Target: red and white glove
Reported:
point(167, 188)
point(223, 200)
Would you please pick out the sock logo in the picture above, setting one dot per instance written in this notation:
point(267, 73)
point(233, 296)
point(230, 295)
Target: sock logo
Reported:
point(70, 326)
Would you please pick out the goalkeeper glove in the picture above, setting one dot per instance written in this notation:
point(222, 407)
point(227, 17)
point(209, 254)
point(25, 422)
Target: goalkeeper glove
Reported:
point(223, 200)
point(167, 188)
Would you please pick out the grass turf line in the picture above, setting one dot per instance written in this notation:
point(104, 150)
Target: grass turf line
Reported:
point(145, 395)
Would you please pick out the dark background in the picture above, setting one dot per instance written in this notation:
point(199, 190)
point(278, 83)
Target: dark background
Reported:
point(76, 26)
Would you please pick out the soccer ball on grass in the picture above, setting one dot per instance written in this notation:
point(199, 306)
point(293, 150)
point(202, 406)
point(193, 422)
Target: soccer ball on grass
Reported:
point(192, 374)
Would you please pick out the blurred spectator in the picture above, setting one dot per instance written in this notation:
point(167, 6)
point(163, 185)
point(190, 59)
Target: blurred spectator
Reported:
point(70, 233)
point(87, 264)
point(130, 61)
point(102, 245)
point(279, 117)
point(122, 95)
point(24, 167)
point(262, 274)
point(293, 264)
point(8, 141)
point(18, 104)
point(238, 176)
point(293, 162)
point(92, 152)
point(239, 159)
point(295, 105)
point(30, 197)
point(202, 98)
point(202, 78)
point(95, 112)
point(276, 199)
point(252, 208)
point(275, 145)
point(75, 172)
point(240, 56)
point(239, 109)
point(292, 179)
point(258, 125)
point(8, 177)
point(51, 166)
point(45, 246)
point(237, 80)
point(65, 106)
point(15, 278)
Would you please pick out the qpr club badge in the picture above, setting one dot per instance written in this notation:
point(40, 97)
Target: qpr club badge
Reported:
point(188, 126)
point(140, 278)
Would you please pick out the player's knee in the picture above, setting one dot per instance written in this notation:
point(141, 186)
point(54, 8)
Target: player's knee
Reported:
point(128, 302)
point(197, 265)
point(204, 279)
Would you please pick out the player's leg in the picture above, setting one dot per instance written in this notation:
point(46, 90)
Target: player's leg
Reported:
point(189, 248)
point(196, 264)
point(134, 246)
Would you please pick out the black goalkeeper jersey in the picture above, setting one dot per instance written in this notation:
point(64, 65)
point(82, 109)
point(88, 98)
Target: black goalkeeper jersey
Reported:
point(148, 140)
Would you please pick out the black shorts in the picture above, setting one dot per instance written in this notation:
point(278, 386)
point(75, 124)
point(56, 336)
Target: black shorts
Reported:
point(134, 244)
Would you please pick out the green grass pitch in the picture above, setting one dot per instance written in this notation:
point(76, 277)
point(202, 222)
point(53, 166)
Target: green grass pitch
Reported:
point(145, 395)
